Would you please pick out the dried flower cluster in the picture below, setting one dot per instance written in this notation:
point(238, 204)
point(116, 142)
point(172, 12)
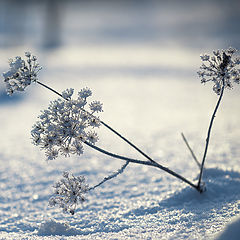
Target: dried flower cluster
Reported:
point(66, 124)
point(69, 191)
point(21, 73)
point(220, 68)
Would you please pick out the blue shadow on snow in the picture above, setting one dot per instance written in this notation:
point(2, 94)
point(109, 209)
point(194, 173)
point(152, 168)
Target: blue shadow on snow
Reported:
point(6, 99)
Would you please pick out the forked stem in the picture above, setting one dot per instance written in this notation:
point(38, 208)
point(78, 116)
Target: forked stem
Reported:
point(150, 161)
point(104, 124)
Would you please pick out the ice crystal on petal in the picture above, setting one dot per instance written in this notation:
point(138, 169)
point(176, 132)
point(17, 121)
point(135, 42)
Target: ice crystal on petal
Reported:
point(205, 57)
point(221, 69)
point(95, 122)
point(96, 106)
point(84, 93)
point(67, 94)
point(21, 73)
point(52, 154)
point(65, 125)
point(77, 148)
point(28, 54)
point(92, 137)
point(68, 192)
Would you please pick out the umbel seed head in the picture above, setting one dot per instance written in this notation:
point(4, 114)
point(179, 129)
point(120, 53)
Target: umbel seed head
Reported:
point(21, 73)
point(221, 68)
point(69, 192)
point(66, 124)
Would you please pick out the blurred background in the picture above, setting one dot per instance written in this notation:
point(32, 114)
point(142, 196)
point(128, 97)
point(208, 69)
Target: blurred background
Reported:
point(150, 37)
point(50, 24)
point(113, 29)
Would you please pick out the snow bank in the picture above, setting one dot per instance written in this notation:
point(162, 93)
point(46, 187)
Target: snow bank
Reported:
point(231, 231)
point(53, 227)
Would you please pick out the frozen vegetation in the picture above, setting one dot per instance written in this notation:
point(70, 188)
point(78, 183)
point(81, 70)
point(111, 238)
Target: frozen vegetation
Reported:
point(142, 202)
point(139, 62)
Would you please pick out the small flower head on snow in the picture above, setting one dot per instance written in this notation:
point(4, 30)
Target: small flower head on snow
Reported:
point(68, 192)
point(65, 125)
point(220, 68)
point(21, 73)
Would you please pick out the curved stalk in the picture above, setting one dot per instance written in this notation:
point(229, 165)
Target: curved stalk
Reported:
point(208, 137)
point(113, 175)
point(153, 164)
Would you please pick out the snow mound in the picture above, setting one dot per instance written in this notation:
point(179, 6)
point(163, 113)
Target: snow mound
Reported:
point(52, 227)
point(231, 231)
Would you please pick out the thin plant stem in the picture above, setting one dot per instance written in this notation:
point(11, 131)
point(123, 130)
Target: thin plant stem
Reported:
point(153, 164)
point(191, 151)
point(208, 136)
point(113, 175)
point(51, 89)
point(127, 141)
point(104, 124)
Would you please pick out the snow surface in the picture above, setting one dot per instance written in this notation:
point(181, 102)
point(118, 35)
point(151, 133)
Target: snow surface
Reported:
point(150, 108)
point(140, 60)
point(231, 231)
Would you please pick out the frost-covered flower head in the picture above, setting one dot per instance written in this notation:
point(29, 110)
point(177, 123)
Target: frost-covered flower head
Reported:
point(68, 192)
point(220, 68)
point(21, 73)
point(63, 127)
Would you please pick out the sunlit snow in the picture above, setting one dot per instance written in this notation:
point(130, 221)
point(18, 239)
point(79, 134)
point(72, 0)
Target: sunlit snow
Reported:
point(150, 94)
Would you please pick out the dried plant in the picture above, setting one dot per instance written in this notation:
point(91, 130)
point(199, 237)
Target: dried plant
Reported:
point(223, 70)
point(68, 123)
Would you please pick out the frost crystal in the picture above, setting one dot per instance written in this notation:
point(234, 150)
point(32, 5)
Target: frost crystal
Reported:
point(96, 106)
point(69, 191)
point(220, 68)
point(21, 73)
point(66, 124)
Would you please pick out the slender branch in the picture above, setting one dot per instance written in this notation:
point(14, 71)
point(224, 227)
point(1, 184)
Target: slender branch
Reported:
point(104, 124)
point(51, 89)
point(127, 141)
point(113, 175)
point(153, 164)
point(208, 136)
point(191, 151)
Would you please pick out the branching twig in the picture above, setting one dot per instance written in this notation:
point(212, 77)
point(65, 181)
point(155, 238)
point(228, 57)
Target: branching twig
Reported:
point(191, 151)
point(55, 133)
point(104, 124)
point(153, 164)
point(113, 175)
